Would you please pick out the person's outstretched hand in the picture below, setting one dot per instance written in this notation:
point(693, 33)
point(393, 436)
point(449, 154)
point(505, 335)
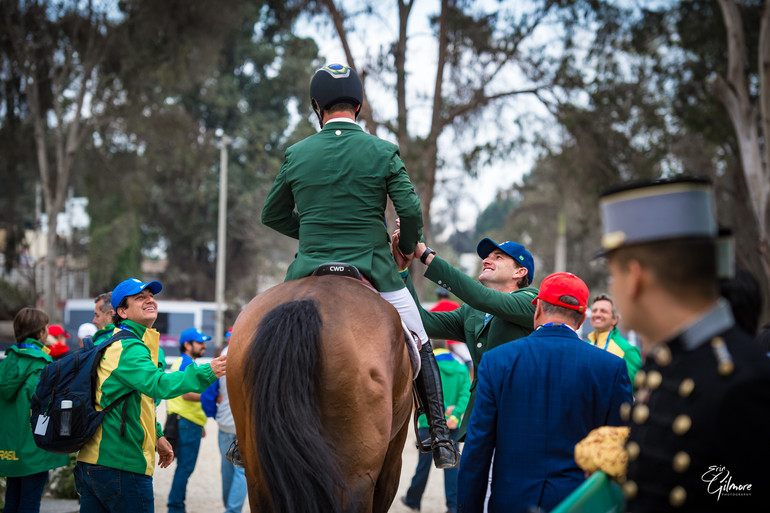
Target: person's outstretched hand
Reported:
point(219, 365)
point(402, 260)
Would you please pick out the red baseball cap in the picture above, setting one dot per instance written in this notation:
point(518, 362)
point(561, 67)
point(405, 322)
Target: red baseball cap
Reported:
point(55, 330)
point(557, 285)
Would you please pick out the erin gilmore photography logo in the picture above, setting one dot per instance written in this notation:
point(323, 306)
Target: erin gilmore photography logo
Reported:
point(719, 481)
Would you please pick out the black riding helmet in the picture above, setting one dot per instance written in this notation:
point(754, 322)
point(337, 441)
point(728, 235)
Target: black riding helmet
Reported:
point(335, 83)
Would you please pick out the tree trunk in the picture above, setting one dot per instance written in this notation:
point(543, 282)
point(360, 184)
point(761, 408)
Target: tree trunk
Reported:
point(733, 92)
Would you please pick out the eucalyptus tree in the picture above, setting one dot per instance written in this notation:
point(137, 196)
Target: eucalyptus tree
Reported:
point(457, 104)
point(56, 50)
point(195, 70)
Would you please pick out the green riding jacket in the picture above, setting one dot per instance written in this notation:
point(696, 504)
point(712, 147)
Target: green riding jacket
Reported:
point(512, 317)
point(331, 194)
point(19, 375)
point(132, 365)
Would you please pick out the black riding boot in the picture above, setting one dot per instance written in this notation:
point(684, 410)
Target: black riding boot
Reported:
point(428, 385)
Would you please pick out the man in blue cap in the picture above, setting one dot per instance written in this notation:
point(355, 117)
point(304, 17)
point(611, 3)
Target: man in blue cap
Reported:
point(187, 412)
point(115, 468)
point(498, 308)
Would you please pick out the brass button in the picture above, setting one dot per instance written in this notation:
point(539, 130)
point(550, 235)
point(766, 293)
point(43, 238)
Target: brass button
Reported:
point(625, 411)
point(640, 379)
point(681, 461)
point(726, 367)
point(682, 424)
point(677, 497)
point(686, 387)
point(654, 379)
point(663, 356)
point(630, 490)
point(632, 448)
point(640, 413)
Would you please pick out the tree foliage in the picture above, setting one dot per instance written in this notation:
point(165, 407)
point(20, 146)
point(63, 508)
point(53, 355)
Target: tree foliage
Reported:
point(646, 104)
point(125, 105)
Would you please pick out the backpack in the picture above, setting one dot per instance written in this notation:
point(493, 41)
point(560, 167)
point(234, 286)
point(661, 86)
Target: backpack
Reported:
point(63, 416)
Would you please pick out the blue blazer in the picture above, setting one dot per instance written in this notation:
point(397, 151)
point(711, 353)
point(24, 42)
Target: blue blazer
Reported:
point(536, 398)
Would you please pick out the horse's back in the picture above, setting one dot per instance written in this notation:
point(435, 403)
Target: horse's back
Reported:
point(363, 384)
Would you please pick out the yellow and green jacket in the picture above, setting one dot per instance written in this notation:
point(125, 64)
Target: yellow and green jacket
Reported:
point(612, 342)
point(132, 365)
point(190, 410)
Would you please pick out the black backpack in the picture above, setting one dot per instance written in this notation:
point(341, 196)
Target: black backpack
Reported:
point(71, 382)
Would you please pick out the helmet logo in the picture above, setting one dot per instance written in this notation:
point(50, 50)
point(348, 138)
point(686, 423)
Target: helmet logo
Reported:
point(337, 70)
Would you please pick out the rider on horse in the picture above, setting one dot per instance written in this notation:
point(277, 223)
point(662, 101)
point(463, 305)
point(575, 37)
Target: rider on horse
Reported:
point(339, 180)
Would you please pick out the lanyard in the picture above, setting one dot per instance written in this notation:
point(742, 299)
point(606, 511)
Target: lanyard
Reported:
point(556, 325)
point(606, 342)
point(29, 346)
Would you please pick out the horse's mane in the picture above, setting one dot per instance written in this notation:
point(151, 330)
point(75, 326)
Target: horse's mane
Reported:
point(284, 364)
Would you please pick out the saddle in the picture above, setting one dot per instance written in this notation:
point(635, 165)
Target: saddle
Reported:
point(346, 270)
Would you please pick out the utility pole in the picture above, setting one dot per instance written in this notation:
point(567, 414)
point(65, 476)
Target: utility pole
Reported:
point(560, 260)
point(221, 244)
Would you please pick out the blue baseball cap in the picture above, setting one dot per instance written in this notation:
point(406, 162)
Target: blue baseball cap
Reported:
point(130, 287)
point(513, 249)
point(192, 335)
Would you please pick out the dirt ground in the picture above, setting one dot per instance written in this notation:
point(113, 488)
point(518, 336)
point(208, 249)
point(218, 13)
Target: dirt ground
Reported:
point(204, 490)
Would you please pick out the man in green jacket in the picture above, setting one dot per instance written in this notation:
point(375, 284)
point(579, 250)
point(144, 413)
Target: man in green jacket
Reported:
point(115, 468)
point(21, 461)
point(604, 320)
point(498, 308)
point(331, 194)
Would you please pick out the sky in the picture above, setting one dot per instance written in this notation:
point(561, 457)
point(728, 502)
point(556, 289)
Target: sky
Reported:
point(458, 203)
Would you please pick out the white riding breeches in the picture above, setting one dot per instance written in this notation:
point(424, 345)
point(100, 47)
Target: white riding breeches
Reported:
point(407, 309)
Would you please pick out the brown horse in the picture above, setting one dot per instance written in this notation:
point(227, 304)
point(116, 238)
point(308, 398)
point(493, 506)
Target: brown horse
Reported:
point(319, 380)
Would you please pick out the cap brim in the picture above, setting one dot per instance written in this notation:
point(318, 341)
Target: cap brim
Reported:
point(154, 286)
point(486, 246)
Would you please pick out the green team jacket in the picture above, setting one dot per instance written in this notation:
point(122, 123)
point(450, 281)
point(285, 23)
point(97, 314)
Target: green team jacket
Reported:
point(19, 375)
point(103, 334)
point(331, 194)
point(614, 343)
point(512, 316)
point(456, 383)
point(132, 365)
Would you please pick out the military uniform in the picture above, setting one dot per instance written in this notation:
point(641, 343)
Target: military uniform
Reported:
point(701, 420)
point(700, 425)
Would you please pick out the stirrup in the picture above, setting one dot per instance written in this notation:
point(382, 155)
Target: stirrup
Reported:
point(445, 454)
point(233, 454)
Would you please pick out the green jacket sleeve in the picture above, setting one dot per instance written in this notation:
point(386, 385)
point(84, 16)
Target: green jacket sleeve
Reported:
point(407, 205)
point(278, 211)
point(136, 370)
point(447, 325)
point(515, 307)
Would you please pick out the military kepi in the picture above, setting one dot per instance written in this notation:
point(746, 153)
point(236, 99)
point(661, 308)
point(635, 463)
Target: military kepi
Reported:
point(660, 210)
